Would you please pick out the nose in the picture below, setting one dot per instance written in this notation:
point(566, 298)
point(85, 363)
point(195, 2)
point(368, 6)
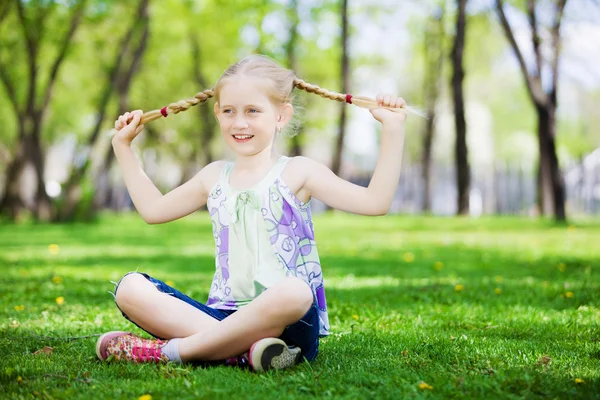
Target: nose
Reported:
point(240, 122)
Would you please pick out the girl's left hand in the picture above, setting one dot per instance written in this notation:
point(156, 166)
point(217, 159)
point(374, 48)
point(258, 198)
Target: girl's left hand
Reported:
point(385, 116)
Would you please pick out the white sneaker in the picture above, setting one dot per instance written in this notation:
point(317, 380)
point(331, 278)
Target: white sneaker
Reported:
point(273, 353)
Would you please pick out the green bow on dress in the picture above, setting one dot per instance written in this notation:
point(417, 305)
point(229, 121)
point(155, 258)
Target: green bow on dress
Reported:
point(236, 203)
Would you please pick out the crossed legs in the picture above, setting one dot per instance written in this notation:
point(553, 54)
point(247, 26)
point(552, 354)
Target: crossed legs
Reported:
point(203, 337)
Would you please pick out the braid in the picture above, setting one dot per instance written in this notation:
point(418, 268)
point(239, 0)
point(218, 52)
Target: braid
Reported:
point(359, 101)
point(177, 107)
point(300, 84)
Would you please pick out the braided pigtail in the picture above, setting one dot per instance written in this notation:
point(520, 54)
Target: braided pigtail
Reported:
point(177, 107)
point(359, 101)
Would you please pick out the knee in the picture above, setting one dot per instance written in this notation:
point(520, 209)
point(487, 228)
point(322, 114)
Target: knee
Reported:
point(129, 289)
point(294, 297)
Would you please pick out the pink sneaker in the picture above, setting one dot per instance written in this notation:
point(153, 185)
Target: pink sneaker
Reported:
point(273, 353)
point(130, 347)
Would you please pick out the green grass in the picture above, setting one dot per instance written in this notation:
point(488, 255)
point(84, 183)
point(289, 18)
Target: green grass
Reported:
point(526, 323)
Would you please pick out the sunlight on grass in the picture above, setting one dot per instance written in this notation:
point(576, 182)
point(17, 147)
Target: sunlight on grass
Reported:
point(419, 307)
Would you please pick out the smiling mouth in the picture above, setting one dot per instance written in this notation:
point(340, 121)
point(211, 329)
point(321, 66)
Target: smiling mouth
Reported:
point(243, 137)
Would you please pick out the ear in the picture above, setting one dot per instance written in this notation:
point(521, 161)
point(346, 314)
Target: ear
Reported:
point(285, 114)
point(216, 110)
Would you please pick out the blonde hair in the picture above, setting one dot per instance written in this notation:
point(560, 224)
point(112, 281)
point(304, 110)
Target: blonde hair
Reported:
point(284, 81)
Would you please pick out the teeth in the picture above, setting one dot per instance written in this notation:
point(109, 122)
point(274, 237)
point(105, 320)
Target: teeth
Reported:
point(241, 137)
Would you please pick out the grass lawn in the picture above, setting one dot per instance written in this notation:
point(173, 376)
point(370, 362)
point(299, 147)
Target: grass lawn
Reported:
point(420, 307)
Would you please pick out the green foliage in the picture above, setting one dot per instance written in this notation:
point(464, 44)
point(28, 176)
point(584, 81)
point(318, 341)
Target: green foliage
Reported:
point(473, 308)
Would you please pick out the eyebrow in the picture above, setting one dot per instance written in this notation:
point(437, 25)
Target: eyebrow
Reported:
point(248, 105)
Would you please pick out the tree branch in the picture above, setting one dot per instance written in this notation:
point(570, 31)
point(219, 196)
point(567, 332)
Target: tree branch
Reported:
point(10, 90)
point(4, 9)
point(139, 51)
point(113, 75)
point(75, 20)
point(556, 47)
point(533, 86)
point(535, 37)
point(31, 55)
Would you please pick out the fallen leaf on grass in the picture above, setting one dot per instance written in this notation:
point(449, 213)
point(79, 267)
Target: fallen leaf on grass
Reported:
point(544, 360)
point(44, 350)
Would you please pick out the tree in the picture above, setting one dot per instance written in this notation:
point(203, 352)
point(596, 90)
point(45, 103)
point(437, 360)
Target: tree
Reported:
point(118, 79)
point(33, 19)
point(544, 97)
point(292, 60)
point(433, 46)
point(339, 148)
point(462, 163)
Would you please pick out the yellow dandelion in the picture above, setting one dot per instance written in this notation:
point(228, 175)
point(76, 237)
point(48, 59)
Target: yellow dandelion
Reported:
point(459, 287)
point(19, 379)
point(408, 257)
point(60, 300)
point(568, 295)
point(438, 265)
point(170, 283)
point(425, 386)
point(562, 267)
point(57, 279)
point(145, 397)
point(355, 316)
point(577, 381)
point(498, 279)
point(497, 290)
point(53, 249)
point(20, 307)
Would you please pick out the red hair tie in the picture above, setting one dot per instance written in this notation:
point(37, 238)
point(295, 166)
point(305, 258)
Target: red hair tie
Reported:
point(349, 98)
point(163, 111)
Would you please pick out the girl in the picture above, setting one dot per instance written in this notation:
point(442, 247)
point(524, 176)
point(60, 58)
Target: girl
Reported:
point(266, 307)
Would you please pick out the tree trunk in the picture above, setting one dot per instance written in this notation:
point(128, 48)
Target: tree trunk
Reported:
point(462, 162)
point(552, 190)
point(339, 147)
point(434, 56)
point(290, 47)
point(122, 87)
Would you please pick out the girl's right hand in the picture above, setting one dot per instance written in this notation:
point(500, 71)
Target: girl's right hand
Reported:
point(128, 127)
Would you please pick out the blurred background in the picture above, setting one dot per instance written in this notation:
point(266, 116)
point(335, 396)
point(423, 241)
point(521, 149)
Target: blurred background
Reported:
point(511, 88)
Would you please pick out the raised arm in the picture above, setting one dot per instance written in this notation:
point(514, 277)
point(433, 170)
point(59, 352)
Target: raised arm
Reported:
point(153, 206)
point(376, 199)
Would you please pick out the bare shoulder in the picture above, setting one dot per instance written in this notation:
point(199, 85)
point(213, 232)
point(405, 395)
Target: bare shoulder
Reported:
point(297, 174)
point(298, 169)
point(209, 175)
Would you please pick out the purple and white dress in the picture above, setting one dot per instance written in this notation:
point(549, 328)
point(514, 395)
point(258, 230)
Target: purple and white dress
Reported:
point(262, 235)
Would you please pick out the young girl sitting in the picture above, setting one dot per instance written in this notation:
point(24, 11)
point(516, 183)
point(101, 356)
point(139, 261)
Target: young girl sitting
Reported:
point(266, 306)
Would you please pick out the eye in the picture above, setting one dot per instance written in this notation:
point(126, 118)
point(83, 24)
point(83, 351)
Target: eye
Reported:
point(253, 110)
point(227, 111)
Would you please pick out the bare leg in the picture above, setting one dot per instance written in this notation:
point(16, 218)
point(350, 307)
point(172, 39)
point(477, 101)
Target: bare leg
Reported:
point(159, 313)
point(266, 316)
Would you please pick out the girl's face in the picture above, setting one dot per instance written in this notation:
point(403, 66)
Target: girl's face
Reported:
point(247, 117)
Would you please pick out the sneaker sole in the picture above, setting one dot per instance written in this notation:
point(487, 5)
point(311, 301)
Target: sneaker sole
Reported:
point(106, 336)
point(271, 353)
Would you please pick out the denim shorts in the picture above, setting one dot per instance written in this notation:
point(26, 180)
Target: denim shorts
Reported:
point(303, 334)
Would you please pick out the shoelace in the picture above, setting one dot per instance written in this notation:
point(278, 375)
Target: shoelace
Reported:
point(144, 353)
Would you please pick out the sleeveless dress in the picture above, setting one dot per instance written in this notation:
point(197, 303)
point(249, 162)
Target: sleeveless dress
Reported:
point(262, 234)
